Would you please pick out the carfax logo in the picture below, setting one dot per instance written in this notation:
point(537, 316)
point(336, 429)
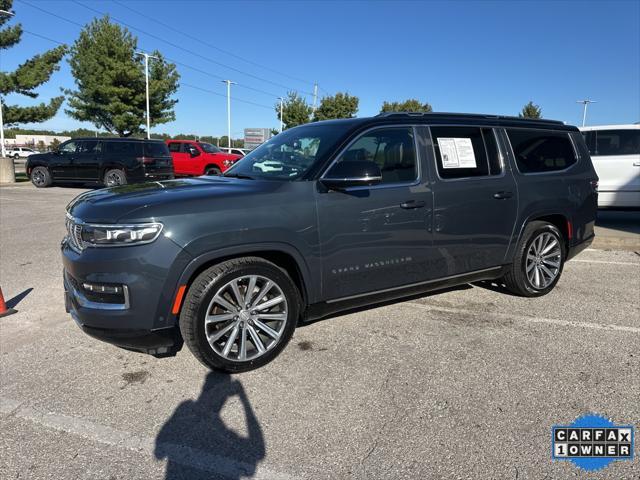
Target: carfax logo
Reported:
point(592, 442)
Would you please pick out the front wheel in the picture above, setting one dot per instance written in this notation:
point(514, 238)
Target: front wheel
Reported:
point(212, 171)
point(40, 177)
point(538, 261)
point(114, 177)
point(239, 314)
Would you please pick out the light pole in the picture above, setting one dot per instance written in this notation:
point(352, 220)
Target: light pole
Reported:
point(2, 149)
point(281, 109)
point(585, 102)
point(146, 76)
point(229, 83)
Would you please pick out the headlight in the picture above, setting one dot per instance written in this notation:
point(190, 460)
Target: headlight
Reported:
point(81, 235)
point(228, 163)
point(103, 235)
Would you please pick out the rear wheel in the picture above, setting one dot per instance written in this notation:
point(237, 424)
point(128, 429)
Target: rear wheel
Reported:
point(239, 314)
point(538, 262)
point(41, 177)
point(114, 177)
point(212, 171)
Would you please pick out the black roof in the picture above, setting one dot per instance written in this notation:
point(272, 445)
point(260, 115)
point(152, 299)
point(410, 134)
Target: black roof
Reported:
point(434, 118)
point(119, 139)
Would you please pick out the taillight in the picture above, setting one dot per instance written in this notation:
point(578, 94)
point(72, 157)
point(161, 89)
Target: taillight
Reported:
point(146, 160)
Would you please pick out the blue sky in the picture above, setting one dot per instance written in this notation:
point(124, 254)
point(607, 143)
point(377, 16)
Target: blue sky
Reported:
point(485, 57)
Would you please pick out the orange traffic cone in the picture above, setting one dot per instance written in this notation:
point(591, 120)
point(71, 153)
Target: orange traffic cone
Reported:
point(4, 311)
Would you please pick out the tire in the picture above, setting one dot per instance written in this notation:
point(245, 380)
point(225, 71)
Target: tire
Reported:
point(534, 274)
point(16, 157)
point(212, 171)
point(208, 343)
point(114, 178)
point(40, 177)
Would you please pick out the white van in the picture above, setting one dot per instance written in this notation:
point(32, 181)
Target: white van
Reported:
point(615, 151)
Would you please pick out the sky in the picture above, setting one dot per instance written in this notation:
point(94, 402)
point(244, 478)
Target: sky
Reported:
point(460, 56)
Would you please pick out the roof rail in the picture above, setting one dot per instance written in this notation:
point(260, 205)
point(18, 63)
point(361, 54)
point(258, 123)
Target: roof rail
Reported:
point(469, 115)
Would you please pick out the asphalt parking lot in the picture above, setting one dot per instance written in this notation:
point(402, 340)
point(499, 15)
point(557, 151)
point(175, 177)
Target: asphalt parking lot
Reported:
point(460, 384)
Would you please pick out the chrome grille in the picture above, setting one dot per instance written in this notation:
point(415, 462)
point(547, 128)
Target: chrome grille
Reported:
point(74, 233)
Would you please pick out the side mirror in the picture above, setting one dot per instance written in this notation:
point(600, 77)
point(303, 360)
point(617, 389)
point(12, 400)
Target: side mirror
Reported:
point(193, 152)
point(352, 174)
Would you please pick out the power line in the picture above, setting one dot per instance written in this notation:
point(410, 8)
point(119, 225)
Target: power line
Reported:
point(169, 27)
point(182, 84)
point(189, 51)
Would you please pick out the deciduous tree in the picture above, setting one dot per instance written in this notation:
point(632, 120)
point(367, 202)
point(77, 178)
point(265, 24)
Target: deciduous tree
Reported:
point(341, 105)
point(296, 111)
point(410, 105)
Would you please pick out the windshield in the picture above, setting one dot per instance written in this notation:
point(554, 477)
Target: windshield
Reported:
point(290, 154)
point(208, 148)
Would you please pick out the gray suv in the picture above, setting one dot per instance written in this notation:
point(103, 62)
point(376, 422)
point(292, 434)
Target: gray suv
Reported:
point(348, 213)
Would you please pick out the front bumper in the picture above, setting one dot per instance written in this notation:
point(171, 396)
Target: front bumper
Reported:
point(142, 320)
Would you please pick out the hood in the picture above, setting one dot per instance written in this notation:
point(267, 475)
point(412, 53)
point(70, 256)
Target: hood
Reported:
point(148, 201)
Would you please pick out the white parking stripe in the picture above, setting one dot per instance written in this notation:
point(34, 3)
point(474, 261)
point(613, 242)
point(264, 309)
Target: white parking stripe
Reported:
point(182, 454)
point(637, 264)
point(524, 318)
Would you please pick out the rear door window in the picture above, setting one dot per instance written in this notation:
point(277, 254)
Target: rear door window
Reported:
point(88, 146)
point(613, 142)
point(463, 152)
point(174, 147)
point(540, 151)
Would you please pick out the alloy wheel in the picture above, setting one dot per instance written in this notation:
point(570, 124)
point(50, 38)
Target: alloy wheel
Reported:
point(246, 318)
point(114, 179)
point(37, 177)
point(544, 259)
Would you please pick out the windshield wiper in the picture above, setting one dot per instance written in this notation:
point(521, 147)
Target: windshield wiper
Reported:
point(238, 175)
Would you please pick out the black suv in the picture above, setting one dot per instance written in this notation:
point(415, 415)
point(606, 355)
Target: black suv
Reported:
point(108, 161)
point(322, 218)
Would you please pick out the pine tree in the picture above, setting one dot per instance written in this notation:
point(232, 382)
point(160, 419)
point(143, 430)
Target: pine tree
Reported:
point(110, 81)
point(530, 110)
point(27, 77)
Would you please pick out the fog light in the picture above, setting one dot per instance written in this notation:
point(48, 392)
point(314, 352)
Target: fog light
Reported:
point(98, 288)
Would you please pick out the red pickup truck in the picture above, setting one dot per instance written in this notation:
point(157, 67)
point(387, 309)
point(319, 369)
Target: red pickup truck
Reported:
point(199, 158)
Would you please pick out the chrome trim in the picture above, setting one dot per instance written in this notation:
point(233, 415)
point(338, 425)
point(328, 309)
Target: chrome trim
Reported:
point(77, 244)
point(414, 132)
point(402, 287)
point(84, 302)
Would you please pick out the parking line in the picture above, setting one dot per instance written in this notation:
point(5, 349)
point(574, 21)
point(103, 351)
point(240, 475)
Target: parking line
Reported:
point(182, 454)
point(637, 264)
point(525, 318)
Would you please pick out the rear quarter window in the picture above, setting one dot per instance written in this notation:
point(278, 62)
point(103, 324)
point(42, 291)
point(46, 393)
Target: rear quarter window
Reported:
point(540, 151)
point(156, 149)
point(604, 143)
point(123, 149)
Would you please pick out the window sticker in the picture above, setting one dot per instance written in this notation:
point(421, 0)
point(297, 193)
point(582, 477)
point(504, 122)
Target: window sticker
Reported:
point(457, 153)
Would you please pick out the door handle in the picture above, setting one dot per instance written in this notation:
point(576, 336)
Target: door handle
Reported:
point(502, 195)
point(409, 204)
point(636, 164)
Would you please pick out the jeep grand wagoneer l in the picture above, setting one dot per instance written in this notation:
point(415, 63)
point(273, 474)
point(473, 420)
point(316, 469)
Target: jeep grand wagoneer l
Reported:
point(356, 212)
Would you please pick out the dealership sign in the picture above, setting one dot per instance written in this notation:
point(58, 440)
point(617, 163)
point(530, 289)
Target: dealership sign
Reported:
point(256, 136)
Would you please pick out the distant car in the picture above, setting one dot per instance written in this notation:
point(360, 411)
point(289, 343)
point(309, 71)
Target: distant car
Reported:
point(191, 158)
point(615, 152)
point(20, 152)
point(108, 161)
point(237, 151)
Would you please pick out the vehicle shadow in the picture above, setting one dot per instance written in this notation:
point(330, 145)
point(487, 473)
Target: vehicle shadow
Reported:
point(625, 220)
point(196, 442)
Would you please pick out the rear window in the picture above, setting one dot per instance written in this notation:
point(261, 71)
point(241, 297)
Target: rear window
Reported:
point(156, 149)
point(612, 142)
point(539, 151)
point(123, 149)
point(174, 147)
